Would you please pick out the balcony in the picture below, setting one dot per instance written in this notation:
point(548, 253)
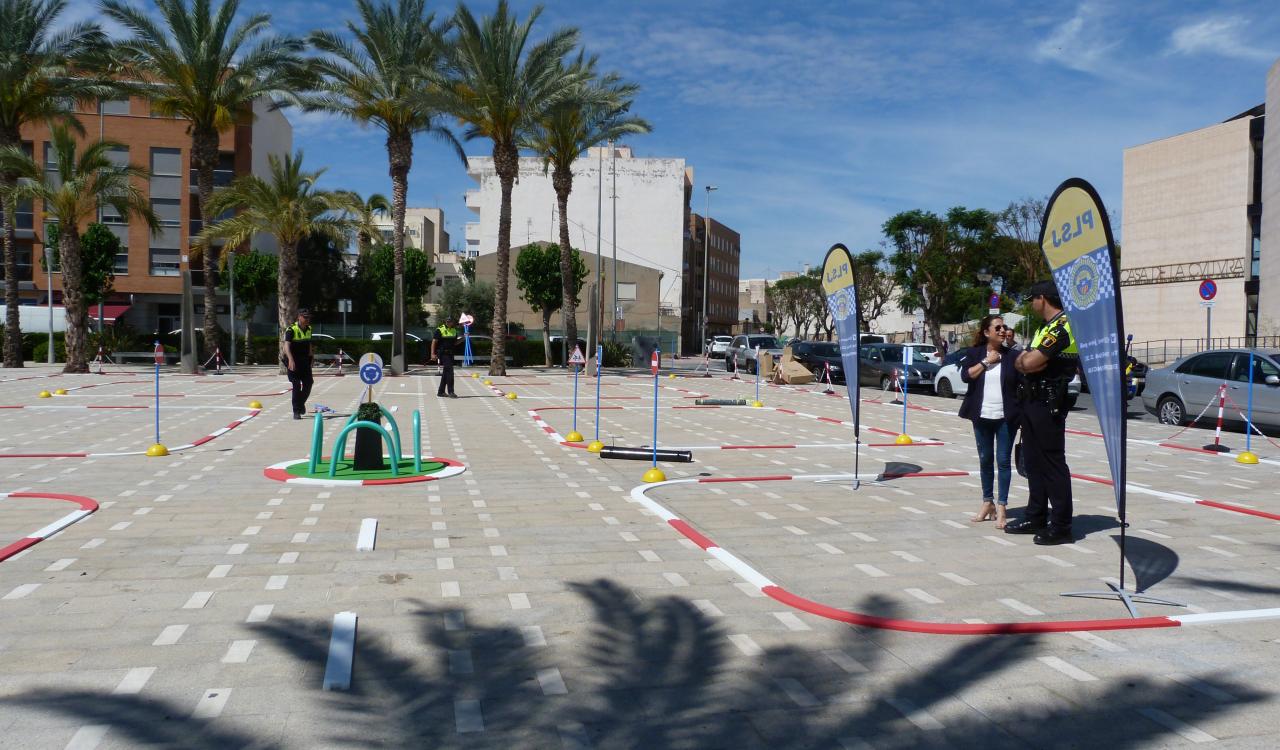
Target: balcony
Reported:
point(472, 198)
point(473, 232)
point(221, 178)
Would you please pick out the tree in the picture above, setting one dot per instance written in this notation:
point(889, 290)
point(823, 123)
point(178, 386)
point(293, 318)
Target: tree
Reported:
point(98, 249)
point(82, 180)
point(286, 205)
point(933, 259)
point(1019, 242)
point(500, 86)
point(390, 77)
point(375, 276)
point(875, 286)
point(595, 111)
point(538, 272)
point(366, 219)
point(37, 56)
point(799, 302)
point(256, 277)
point(323, 274)
point(475, 299)
point(468, 268)
point(196, 63)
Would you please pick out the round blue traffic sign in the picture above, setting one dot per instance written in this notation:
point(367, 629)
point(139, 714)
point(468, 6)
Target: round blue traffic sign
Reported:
point(370, 374)
point(1208, 289)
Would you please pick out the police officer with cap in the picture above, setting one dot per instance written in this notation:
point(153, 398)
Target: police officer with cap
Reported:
point(443, 343)
point(1048, 364)
point(297, 360)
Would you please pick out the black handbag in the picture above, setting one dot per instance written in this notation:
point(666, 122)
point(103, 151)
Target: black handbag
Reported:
point(1020, 460)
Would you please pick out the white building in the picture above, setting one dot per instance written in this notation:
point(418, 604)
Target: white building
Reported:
point(651, 210)
point(423, 229)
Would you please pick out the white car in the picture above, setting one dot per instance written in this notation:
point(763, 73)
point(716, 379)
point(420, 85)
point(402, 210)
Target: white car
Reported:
point(717, 346)
point(386, 336)
point(949, 385)
point(924, 352)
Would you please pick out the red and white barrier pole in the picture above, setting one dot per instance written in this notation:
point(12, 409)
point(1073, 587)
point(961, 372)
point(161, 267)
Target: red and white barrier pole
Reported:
point(1217, 445)
point(340, 356)
point(827, 367)
point(98, 359)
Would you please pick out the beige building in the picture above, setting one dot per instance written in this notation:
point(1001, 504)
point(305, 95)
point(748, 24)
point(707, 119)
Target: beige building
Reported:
point(637, 294)
point(423, 229)
point(1191, 212)
point(1267, 216)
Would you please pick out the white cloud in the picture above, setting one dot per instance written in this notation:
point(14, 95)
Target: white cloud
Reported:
point(1080, 42)
point(1225, 36)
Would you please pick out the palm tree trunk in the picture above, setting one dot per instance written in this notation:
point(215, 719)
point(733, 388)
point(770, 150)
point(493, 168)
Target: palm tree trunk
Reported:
point(204, 155)
point(562, 181)
point(546, 336)
point(506, 162)
point(286, 291)
point(12, 321)
point(73, 299)
point(248, 342)
point(400, 156)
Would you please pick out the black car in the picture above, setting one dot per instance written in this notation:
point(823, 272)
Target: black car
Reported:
point(816, 356)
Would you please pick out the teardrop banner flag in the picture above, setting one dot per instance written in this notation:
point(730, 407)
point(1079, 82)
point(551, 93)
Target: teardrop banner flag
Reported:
point(1077, 242)
point(841, 290)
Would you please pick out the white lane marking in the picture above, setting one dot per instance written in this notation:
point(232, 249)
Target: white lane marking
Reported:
point(444, 563)
point(845, 662)
point(238, 652)
point(198, 600)
point(905, 556)
point(497, 550)
point(211, 703)
point(1217, 551)
point(1069, 670)
point(1098, 641)
point(97, 542)
point(551, 682)
point(450, 589)
point(745, 644)
point(1055, 561)
point(1168, 721)
point(88, 737)
point(518, 601)
point(864, 537)
point(368, 535)
point(998, 540)
point(1202, 687)
point(830, 549)
point(957, 578)
point(798, 693)
point(870, 570)
point(220, 571)
point(791, 622)
point(796, 530)
point(276, 583)
point(914, 714)
point(237, 549)
point(954, 524)
point(675, 579)
point(170, 635)
point(134, 680)
point(342, 652)
point(260, 613)
point(533, 636)
point(707, 608)
point(467, 716)
point(300, 538)
point(62, 564)
point(1018, 606)
point(287, 558)
point(923, 596)
point(649, 555)
point(460, 661)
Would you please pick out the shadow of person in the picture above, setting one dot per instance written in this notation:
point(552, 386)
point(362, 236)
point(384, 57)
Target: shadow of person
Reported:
point(1084, 524)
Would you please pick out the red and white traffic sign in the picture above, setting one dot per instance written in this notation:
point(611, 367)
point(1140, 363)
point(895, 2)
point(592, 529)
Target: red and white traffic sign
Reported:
point(159, 353)
point(653, 362)
point(576, 358)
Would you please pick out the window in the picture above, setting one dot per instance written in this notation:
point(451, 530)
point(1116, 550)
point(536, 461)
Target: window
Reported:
point(1262, 368)
point(169, 316)
point(166, 173)
point(121, 231)
point(114, 107)
point(627, 291)
point(51, 166)
point(164, 262)
point(223, 173)
point(1211, 365)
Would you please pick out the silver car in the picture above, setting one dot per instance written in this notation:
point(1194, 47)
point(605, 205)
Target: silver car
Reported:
point(1175, 394)
point(741, 354)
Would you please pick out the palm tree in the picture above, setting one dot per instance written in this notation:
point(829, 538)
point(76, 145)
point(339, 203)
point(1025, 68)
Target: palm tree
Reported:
point(287, 206)
point(594, 113)
point(196, 63)
point(368, 211)
point(500, 86)
point(36, 84)
point(390, 77)
point(83, 181)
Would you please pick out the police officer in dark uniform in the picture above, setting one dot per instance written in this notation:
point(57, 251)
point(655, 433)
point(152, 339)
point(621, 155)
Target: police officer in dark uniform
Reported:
point(1048, 364)
point(443, 343)
point(297, 360)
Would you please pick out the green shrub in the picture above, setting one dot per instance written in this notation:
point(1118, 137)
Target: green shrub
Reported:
point(369, 412)
point(617, 354)
point(41, 350)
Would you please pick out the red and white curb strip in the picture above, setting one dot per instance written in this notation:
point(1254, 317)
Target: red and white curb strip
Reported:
point(87, 507)
point(186, 446)
point(772, 590)
point(279, 472)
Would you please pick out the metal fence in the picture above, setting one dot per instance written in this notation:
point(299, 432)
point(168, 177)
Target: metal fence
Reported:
point(1165, 351)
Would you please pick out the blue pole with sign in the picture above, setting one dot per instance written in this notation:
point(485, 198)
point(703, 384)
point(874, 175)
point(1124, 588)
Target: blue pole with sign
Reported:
point(576, 370)
point(160, 356)
point(1248, 433)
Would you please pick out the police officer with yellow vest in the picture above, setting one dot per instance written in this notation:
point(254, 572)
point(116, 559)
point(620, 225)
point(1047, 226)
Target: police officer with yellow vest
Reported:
point(297, 360)
point(1048, 364)
point(442, 345)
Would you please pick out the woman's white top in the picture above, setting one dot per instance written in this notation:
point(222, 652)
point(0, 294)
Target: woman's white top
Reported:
point(992, 396)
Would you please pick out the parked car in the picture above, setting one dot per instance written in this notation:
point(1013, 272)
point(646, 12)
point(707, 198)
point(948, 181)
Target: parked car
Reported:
point(948, 384)
point(386, 336)
point(817, 356)
point(716, 346)
point(927, 352)
point(877, 364)
point(870, 338)
point(741, 354)
point(1136, 376)
point(1192, 382)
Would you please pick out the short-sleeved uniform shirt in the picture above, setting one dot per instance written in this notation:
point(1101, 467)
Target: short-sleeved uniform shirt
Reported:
point(447, 341)
point(1058, 344)
point(299, 343)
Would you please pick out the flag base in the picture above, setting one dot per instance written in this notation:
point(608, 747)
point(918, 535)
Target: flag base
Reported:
point(573, 437)
point(903, 439)
point(1247, 457)
point(1124, 596)
point(595, 446)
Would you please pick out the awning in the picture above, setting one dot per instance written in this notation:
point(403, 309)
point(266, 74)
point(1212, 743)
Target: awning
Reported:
point(109, 312)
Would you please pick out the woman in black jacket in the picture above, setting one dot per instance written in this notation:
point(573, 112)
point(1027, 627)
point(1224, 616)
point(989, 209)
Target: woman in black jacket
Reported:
point(991, 404)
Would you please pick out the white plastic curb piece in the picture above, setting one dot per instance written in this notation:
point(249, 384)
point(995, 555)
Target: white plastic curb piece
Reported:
point(342, 652)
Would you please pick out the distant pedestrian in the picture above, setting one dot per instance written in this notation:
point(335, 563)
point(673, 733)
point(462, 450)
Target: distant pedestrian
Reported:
point(991, 405)
point(443, 343)
point(297, 360)
point(1010, 341)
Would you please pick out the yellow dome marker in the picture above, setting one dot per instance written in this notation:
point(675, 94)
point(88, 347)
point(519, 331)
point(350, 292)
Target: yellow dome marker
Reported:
point(475, 375)
point(60, 392)
point(904, 439)
point(1246, 457)
point(45, 394)
point(595, 446)
point(654, 475)
point(488, 382)
point(672, 376)
point(157, 450)
point(573, 437)
point(511, 396)
point(757, 404)
point(255, 404)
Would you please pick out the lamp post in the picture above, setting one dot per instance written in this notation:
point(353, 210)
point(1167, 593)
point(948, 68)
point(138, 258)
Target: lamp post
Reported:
point(617, 310)
point(706, 254)
point(48, 267)
point(231, 303)
point(598, 312)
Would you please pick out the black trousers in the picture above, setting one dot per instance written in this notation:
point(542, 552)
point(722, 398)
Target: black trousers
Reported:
point(1044, 437)
point(446, 375)
point(301, 381)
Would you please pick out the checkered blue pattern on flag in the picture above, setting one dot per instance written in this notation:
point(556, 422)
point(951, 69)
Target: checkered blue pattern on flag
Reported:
point(841, 289)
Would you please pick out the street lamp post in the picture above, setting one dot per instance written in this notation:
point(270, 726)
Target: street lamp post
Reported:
point(48, 267)
point(231, 288)
point(706, 254)
point(598, 312)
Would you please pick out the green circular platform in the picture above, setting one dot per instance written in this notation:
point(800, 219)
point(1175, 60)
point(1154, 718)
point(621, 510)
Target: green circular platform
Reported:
point(346, 470)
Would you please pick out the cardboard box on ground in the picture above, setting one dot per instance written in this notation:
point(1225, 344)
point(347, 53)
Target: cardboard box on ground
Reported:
point(787, 370)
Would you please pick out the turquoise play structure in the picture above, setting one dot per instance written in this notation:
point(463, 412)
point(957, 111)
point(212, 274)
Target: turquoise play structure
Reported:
point(391, 438)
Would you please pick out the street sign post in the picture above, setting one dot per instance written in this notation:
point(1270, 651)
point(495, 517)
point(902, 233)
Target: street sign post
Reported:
point(1208, 290)
point(370, 369)
point(993, 304)
point(576, 361)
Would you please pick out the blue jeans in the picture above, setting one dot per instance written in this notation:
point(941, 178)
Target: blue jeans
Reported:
point(998, 435)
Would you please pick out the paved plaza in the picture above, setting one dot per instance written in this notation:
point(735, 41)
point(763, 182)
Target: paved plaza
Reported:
point(546, 598)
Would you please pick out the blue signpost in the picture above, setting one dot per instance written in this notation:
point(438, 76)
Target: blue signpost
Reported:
point(654, 474)
point(903, 437)
point(157, 448)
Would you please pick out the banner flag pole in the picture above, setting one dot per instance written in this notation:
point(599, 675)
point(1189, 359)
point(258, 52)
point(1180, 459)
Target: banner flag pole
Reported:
point(840, 287)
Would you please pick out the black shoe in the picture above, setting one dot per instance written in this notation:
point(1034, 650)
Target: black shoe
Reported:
point(1024, 527)
point(1054, 536)
point(296, 415)
point(453, 395)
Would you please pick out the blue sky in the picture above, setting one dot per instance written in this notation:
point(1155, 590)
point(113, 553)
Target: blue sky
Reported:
point(819, 120)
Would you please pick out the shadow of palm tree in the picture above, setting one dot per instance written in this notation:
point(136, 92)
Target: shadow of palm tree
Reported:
point(659, 673)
